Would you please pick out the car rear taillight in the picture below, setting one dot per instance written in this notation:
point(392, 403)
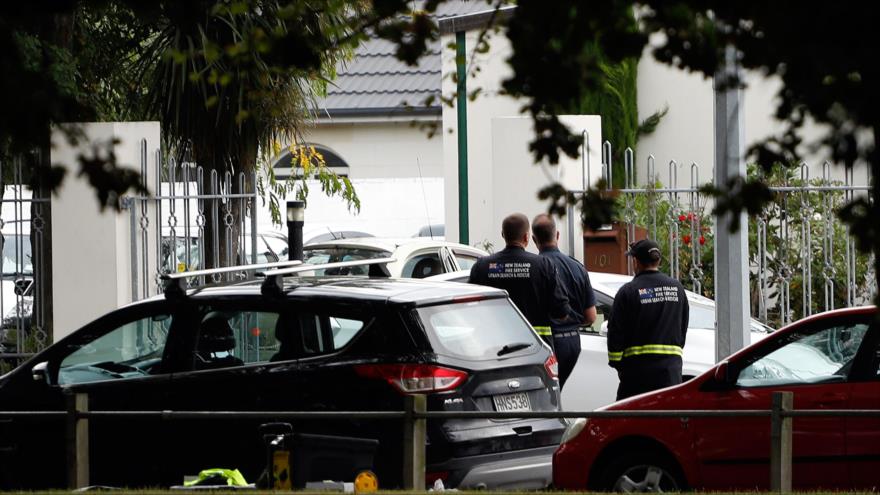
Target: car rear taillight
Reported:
point(552, 367)
point(414, 378)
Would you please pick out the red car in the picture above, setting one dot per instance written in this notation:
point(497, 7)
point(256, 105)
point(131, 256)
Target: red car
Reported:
point(829, 361)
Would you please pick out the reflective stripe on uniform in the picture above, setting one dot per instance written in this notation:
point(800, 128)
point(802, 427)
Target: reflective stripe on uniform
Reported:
point(672, 350)
point(640, 350)
point(542, 331)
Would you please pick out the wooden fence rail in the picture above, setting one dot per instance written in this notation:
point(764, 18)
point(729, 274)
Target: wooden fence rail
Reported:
point(415, 415)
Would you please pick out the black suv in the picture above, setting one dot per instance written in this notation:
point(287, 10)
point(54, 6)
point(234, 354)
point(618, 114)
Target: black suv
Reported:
point(318, 344)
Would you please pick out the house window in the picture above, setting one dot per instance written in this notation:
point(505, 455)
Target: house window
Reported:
point(283, 165)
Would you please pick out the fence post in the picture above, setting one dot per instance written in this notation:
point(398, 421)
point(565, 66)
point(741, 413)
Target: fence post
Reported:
point(414, 436)
point(77, 441)
point(780, 442)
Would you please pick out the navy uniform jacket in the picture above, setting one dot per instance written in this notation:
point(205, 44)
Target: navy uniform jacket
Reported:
point(649, 319)
point(530, 281)
point(575, 283)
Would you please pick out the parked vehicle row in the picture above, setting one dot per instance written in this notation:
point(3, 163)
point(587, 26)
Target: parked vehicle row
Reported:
point(417, 257)
point(331, 341)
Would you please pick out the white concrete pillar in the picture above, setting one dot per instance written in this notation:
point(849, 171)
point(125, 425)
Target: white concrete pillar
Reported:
point(732, 319)
point(91, 249)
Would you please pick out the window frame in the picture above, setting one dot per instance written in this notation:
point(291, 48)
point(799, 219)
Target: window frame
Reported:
point(439, 252)
point(778, 341)
point(109, 323)
point(280, 306)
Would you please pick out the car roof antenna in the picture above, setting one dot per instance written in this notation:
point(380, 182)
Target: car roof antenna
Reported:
point(332, 234)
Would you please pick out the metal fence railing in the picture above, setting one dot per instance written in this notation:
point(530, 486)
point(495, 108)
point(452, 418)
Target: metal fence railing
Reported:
point(196, 218)
point(802, 258)
point(414, 416)
point(24, 242)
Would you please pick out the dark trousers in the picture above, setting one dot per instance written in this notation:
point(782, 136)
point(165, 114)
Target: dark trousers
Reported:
point(640, 374)
point(567, 350)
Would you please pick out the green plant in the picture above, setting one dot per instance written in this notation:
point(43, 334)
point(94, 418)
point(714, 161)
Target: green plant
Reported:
point(616, 100)
point(796, 227)
point(682, 230)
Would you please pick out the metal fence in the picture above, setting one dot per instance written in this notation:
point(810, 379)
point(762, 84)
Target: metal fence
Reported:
point(195, 219)
point(415, 414)
point(25, 223)
point(802, 258)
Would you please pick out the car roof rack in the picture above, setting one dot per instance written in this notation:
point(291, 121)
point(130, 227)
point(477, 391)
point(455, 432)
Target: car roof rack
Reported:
point(273, 285)
point(176, 283)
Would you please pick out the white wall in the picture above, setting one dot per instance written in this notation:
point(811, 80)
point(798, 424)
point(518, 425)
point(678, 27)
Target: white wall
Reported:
point(502, 175)
point(91, 249)
point(390, 207)
point(686, 134)
point(381, 149)
point(515, 178)
point(396, 170)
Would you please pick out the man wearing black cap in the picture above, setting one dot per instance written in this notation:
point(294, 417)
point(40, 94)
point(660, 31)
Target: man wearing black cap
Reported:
point(648, 324)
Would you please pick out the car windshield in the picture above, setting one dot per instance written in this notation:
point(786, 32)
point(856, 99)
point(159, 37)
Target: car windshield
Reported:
point(17, 255)
point(317, 256)
point(478, 330)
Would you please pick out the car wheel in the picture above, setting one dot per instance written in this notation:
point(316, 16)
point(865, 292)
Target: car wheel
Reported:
point(642, 472)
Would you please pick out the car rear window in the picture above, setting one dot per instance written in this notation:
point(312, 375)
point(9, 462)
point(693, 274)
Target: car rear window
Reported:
point(478, 330)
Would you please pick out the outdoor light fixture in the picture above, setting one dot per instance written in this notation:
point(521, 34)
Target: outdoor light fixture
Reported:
point(296, 213)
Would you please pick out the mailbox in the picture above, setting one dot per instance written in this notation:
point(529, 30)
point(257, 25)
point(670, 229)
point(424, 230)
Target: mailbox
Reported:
point(605, 248)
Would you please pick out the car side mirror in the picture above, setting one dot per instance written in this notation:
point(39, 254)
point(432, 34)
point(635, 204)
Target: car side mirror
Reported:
point(603, 328)
point(40, 372)
point(724, 374)
point(23, 286)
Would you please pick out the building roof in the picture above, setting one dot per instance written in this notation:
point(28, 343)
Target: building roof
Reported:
point(376, 83)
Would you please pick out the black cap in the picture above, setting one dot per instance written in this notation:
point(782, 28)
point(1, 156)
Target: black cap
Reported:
point(646, 251)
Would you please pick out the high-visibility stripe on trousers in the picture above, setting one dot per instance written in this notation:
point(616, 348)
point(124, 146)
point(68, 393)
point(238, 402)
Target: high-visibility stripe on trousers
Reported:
point(640, 350)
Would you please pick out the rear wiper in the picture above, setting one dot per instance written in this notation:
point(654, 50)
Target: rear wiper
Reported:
point(517, 346)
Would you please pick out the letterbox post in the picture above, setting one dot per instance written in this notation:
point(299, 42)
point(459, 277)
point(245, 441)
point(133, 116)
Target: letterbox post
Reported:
point(414, 436)
point(780, 442)
point(77, 441)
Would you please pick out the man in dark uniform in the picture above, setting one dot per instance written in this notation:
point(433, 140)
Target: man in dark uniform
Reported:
point(530, 280)
point(648, 325)
point(575, 283)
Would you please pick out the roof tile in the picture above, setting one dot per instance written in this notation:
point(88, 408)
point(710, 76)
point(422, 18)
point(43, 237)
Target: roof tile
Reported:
point(375, 79)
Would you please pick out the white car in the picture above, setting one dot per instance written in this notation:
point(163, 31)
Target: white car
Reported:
point(17, 297)
point(416, 257)
point(593, 383)
point(271, 246)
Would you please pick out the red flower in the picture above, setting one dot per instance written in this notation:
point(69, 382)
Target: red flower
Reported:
point(686, 238)
point(681, 218)
point(702, 240)
point(690, 216)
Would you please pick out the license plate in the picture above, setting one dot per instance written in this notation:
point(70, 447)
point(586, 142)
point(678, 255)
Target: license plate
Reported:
point(512, 402)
